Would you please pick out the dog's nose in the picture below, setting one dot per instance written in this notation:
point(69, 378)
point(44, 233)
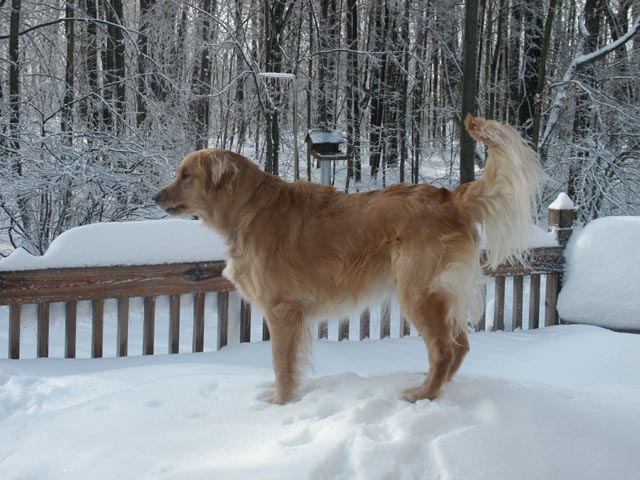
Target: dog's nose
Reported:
point(157, 197)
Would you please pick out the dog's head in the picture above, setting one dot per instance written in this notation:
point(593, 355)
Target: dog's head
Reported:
point(204, 178)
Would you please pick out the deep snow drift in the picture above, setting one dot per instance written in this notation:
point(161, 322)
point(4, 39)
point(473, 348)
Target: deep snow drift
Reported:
point(560, 402)
point(602, 283)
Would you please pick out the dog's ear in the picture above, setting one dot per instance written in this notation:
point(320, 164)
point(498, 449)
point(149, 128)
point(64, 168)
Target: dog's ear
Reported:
point(219, 169)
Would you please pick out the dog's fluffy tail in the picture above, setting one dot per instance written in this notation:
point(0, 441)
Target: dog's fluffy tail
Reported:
point(504, 199)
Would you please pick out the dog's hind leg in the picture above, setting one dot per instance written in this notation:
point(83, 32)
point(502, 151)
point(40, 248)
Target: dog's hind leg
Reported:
point(288, 344)
point(430, 314)
point(460, 349)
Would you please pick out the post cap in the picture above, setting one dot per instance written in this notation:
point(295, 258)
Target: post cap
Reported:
point(562, 202)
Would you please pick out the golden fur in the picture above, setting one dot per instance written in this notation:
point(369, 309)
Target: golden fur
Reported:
point(302, 251)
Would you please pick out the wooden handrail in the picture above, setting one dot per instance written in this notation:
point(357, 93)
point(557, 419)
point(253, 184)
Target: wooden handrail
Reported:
point(100, 283)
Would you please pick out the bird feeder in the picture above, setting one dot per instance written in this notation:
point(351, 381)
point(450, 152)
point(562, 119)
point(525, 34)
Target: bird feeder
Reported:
point(324, 146)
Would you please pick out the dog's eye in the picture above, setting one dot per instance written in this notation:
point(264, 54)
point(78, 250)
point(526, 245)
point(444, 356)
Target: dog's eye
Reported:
point(184, 176)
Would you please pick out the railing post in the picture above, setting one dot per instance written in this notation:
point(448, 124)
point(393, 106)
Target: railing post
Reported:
point(562, 216)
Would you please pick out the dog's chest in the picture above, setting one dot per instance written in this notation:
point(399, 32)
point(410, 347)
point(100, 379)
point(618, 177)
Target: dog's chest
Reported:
point(230, 271)
point(239, 273)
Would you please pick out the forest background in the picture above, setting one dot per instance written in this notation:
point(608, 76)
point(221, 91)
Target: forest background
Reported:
point(100, 99)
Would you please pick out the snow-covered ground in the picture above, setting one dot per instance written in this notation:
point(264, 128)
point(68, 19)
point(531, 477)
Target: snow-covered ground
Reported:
point(560, 402)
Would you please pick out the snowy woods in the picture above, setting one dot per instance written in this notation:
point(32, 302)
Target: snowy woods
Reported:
point(100, 99)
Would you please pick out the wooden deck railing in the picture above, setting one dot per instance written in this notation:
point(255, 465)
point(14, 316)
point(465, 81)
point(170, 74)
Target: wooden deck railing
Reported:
point(71, 285)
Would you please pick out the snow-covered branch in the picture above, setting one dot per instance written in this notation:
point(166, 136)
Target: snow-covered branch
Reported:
point(580, 60)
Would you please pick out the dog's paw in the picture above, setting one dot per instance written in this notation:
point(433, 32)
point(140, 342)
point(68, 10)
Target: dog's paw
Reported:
point(414, 394)
point(277, 398)
point(409, 394)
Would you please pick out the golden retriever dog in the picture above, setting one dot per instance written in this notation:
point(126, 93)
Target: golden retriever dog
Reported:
point(303, 252)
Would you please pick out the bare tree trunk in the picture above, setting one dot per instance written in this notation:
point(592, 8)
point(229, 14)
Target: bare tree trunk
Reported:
point(66, 119)
point(276, 16)
point(201, 80)
point(92, 106)
point(376, 89)
point(66, 116)
point(14, 82)
point(143, 64)
point(240, 125)
point(404, 78)
point(354, 167)
point(327, 42)
point(420, 96)
point(488, 38)
point(392, 87)
point(635, 9)
point(513, 61)
point(114, 67)
point(14, 113)
point(593, 13)
point(531, 64)
point(467, 145)
point(542, 73)
point(309, 88)
point(497, 62)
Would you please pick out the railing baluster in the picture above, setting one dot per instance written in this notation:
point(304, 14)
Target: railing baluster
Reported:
point(97, 328)
point(148, 326)
point(343, 329)
point(498, 306)
point(223, 318)
point(123, 327)
point(385, 319)
point(405, 326)
point(534, 301)
point(43, 330)
point(516, 316)
point(198, 322)
point(14, 330)
point(365, 324)
point(550, 300)
point(70, 328)
point(174, 323)
point(245, 321)
point(323, 329)
point(482, 323)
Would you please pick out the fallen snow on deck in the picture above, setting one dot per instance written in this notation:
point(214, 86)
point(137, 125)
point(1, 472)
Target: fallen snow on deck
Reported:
point(602, 281)
point(561, 402)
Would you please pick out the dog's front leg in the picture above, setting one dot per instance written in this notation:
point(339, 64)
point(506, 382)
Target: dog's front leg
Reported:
point(286, 326)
